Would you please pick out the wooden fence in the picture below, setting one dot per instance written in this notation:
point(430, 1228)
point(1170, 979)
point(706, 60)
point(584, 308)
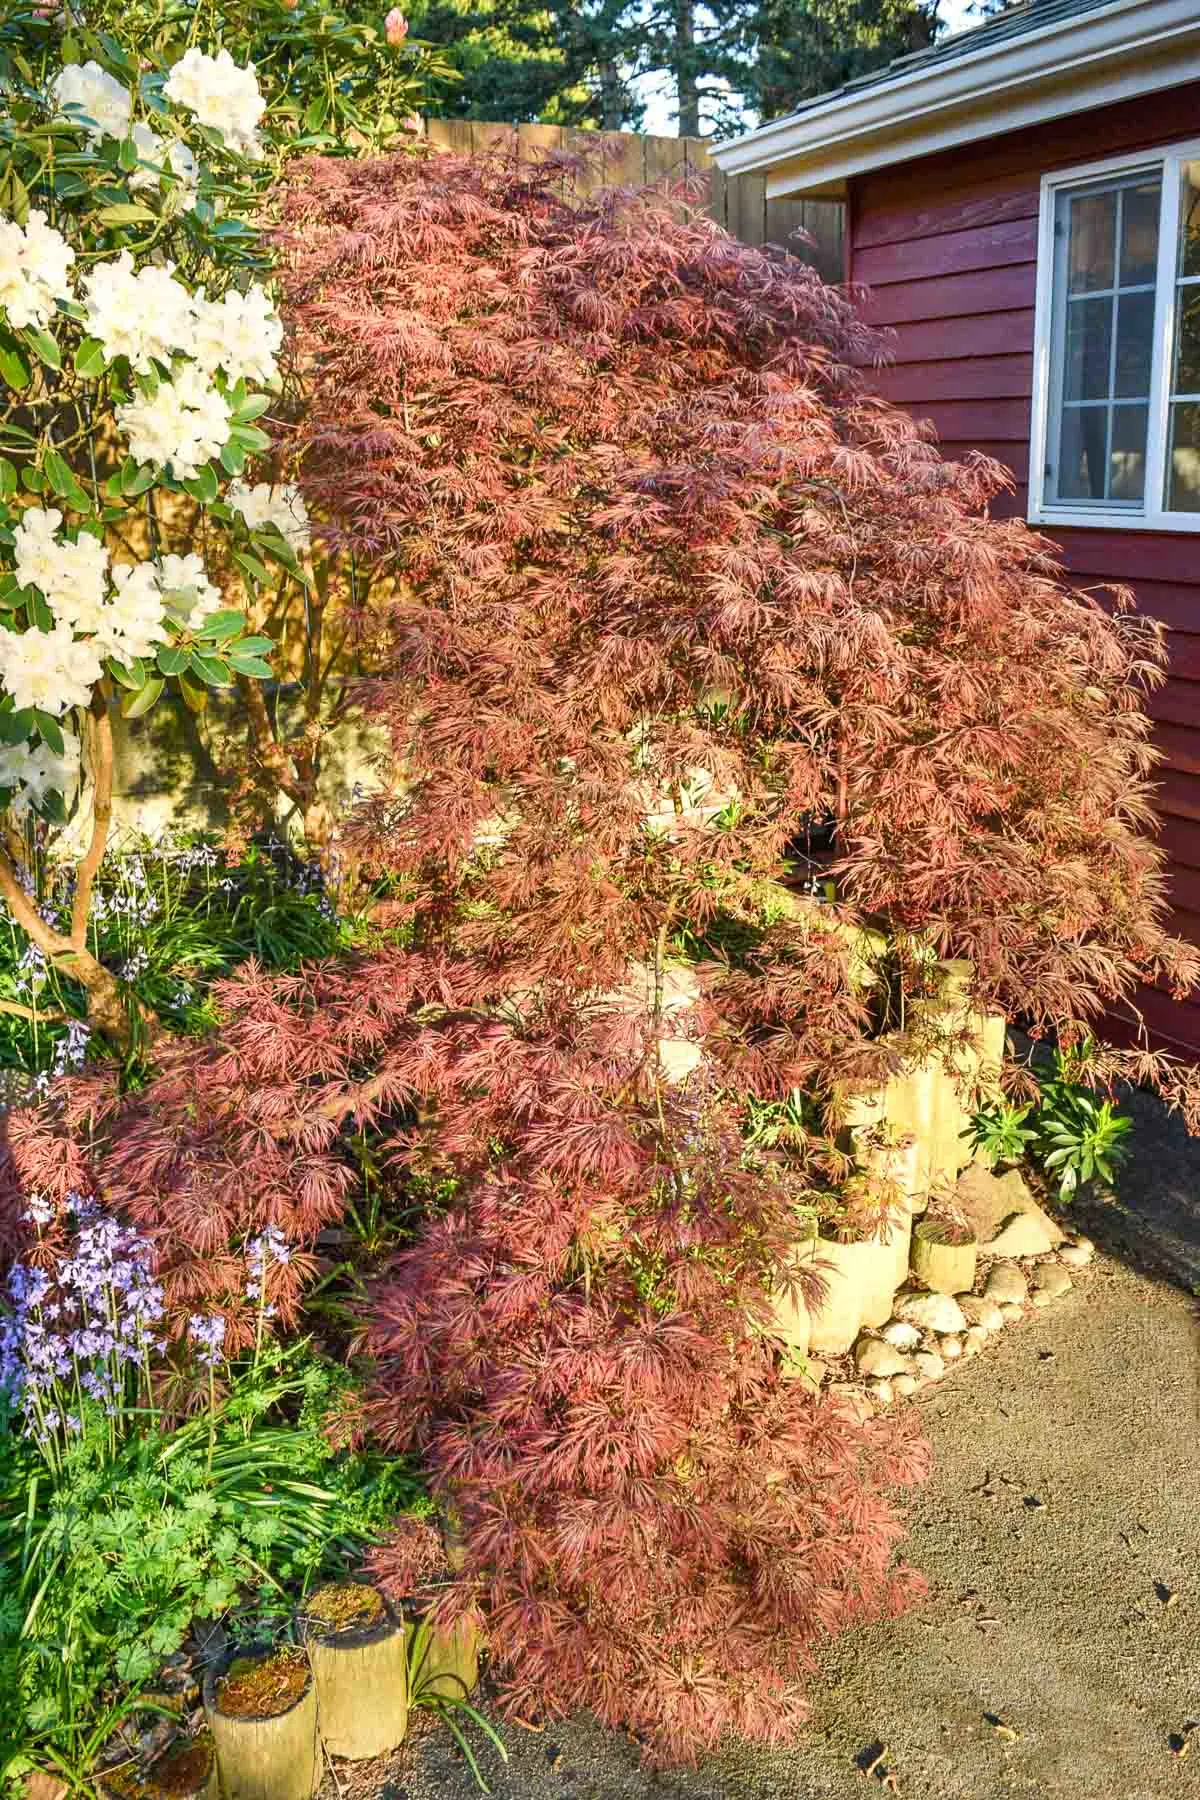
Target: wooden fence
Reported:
point(632, 159)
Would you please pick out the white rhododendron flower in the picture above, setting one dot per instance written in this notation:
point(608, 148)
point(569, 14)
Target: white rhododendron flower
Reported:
point(185, 424)
point(149, 147)
point(186, 171)
point(144, 314)
point(51, 670)
point(73, 577)
point(220, 95)
point(133, 619)
point(35, 264)
point(34, 773)
point(178, 159)
point(98, 94)
point(282, 506)
point(190, 595)
point(239, 333)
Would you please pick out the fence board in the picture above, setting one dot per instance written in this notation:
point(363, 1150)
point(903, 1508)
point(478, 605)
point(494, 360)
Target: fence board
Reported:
point(629, 159)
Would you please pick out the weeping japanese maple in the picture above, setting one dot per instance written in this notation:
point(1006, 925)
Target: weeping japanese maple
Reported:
point(673, 591)
point(673, 587)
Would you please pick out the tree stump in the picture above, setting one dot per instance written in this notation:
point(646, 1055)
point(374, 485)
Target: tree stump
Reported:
point(360, 1667)
point(267, 1754)
point(943, 1256)
point(443, 1659)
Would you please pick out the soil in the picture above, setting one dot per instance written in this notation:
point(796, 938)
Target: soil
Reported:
point(345, 1606)
point(262, 1687)
point(1057, 1653)
point(182, 1771)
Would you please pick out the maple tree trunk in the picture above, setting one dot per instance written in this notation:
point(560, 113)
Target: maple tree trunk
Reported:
point(112, 1009)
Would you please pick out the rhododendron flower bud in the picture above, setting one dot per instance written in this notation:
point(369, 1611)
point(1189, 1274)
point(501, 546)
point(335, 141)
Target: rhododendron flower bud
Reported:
point(396, 26)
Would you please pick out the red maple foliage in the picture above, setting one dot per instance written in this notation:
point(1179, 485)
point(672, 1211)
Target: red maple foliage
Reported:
point(672, 588)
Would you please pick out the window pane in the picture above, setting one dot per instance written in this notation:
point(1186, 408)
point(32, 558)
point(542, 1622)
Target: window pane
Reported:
point(1128, 459)
point(1089, 341)
point(1187, 342)
point(1189, 221)
point(1183, 468)
point(1093, 235)
point(1139, 232)
point(1082, 451)
point(1135, 344)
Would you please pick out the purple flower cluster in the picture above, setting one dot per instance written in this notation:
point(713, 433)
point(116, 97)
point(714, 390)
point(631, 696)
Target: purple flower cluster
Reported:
point(208, 1334)
point(261, 1252)
point(87, 1329)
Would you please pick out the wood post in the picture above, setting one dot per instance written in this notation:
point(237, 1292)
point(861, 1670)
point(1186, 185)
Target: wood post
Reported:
point(943, 1257)
point(265, 1758)
point(361, 1678)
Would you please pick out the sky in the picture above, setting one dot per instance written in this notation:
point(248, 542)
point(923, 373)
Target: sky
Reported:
point(660, 111)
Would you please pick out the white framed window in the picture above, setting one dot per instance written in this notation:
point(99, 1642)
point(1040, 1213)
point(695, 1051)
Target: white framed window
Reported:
point(1116, 388)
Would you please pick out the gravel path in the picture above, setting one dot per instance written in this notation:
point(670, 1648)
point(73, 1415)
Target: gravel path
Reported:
point(1061, 1538)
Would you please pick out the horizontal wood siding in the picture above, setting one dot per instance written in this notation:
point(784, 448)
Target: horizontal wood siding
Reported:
point(946, 247)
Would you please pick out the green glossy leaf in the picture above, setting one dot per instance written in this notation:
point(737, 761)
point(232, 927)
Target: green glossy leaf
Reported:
point(139, 481)
point(233, 457)
point(129, 212)
point(45, 346)
point(251, 408)
point(250, 437)
point(50, 730)
point(63, 482)
point(133, 676)
point(251, 566)
point(203, 487)
point(224, 624)
point(172, 660)
point(15, 727)
point(250, 665)
point(15, 367)
point(90, 359)
point(211, 670)
point(133, 706)
point(255, 646)
point(8, 479)
point(195, 694)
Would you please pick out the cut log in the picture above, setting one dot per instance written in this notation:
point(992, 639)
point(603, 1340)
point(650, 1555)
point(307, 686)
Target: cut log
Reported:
point(361, 1677)
point(443, 1659)
point(267, 1756)
point(943, 1256)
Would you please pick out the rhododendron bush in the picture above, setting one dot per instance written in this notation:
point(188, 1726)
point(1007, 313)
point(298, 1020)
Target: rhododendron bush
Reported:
point(139, 345)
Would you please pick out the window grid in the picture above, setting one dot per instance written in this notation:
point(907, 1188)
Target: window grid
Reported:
point(1166, 464)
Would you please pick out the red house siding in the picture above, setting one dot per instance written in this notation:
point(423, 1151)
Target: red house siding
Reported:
point(947, 245)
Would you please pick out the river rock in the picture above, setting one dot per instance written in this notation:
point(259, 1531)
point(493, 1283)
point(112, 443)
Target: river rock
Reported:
point(950, 1347)
point(1051, 1279)
point(873, 1357)
point(928, 1365)
point(1011, 1313)
point(931, 1312)
point(1026, 1231)
point(1006, 1285)
point(904, 1385)
point(880, 1392)
point(1076, 1256)
point(901, 1334)
point(976, 1336)
point(979, 1310)
point(986, 1200)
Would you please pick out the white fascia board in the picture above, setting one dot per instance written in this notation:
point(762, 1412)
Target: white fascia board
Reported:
point(1114, 52)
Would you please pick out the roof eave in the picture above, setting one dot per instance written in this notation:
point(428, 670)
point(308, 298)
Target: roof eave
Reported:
point(1112, 53)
